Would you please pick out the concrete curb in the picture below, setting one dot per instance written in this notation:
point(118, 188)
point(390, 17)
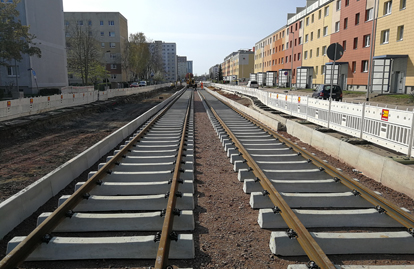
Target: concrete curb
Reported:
point(21, 205)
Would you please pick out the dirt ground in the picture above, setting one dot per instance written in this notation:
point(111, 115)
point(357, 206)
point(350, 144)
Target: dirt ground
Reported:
point(32, 151)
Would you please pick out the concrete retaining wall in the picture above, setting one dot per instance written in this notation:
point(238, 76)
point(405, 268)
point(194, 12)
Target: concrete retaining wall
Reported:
point(21, 205)
point(384, 170)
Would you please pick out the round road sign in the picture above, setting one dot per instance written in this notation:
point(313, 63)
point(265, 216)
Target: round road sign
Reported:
point(331, 51)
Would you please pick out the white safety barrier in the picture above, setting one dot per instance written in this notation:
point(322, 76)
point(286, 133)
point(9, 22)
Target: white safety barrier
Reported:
point(29, 106)
point(390, 128)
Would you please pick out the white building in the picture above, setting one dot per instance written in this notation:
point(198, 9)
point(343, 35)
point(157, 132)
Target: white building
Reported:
point(168, 53)
point(45, 18)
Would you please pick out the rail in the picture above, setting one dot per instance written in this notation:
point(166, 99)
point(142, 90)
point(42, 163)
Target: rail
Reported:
point(389, 128)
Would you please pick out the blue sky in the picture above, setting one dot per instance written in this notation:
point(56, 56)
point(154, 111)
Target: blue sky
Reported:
point(204, 31)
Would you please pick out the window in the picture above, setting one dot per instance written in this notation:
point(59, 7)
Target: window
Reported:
point(322, 69)
point(385, 36)
point(337, 25)
point(387, 7)
point(295, 41)
point(67, 34)
point(313, 18)
point(344, 45)
point(305, 56)
point(311, 36)
point(66, 23)
point(310, 54)
point(346, 3)
point(287, 31)
point(112, 45)
point(353, 67)
point(400, 33)
point(355, 43)
point(113, 66)
point(11, 71)
point(317, 52)
point(367, 40)
point(100, 22)
point(299, 56)
point(324, 50)
point(357, 19)
point(307, 21)
point(319, 33)
point(102, 33)
point(326, 11)
point(112, 34)
point(300, 25)
point(113, 76)
point(325, 31)
point(345, 23)
point(80, 23)
point(320, 14)
point(316, 71)
point(338, 5)
point(364, 66)
point(403, 4)
point(103, 45)
point(111, 23)
point(369, 14)
point(306, 38)
point(89, 23)
point(112, 55)
point(287, 45)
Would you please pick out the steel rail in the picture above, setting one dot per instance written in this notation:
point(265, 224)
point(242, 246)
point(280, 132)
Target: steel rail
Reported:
point(164, 245)
point(305, 239)
point(42, 232)
point(392, 210)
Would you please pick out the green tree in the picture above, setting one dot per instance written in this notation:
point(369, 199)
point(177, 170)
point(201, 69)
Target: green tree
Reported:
point(83, 51)
point(15, 38)
point(139, 55)
point(220, 74)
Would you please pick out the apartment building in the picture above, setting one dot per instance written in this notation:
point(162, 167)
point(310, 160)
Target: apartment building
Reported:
point(167, 52)
point(214, 71)
point(393, 69)
point(190, 66)
point(111, 31)
point(45, 18)
point(181, 67)
point(238, 65)
point(298, 50)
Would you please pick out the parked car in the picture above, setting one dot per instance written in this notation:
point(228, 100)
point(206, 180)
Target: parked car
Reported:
point(323, 91)
point(252, 84)
point(142, 83)
point(134, 84)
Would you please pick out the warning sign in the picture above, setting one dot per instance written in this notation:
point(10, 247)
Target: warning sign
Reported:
point(299, 99)
point(385, 114)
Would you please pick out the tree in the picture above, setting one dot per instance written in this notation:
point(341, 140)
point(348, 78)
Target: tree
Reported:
point(15, 38)
point(139, 55)
point(83, 51)
point(220, 74)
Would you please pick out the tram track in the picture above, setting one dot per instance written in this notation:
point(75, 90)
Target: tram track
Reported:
point(146, 186)
point(312, 195)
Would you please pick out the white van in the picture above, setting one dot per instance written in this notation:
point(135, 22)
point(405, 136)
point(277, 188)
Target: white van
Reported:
point(142, 83)
point(252, 84)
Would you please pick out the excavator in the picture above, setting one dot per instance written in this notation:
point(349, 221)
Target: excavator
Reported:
point(190, 80)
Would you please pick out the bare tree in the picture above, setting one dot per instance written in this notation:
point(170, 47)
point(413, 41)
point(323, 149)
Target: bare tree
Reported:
point(139, 55)
point(155, 67)
point(83, 51)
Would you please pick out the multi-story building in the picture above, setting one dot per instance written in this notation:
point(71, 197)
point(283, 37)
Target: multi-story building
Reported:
point(181, 67)
point(190, 67)
point(45, 18)
point(214, 71)
point(238, 65)
point(373, 33)
point(393, 70)
point(168, 53)
point(111, 31)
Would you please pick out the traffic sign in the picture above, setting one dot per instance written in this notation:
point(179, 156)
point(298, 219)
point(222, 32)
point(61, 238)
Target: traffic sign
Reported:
point(335, 51)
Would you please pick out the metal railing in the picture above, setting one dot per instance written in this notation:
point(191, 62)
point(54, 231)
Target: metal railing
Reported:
point(389, 128)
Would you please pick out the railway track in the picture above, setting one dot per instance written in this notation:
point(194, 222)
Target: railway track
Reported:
point(145, 189)
point(139, 204)
point(295, 191)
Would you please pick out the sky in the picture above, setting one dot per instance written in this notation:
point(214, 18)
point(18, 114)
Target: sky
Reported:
point(204, 31)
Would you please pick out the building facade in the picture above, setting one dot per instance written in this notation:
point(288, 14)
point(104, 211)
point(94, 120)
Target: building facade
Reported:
point(168, 55)
point(45, 18)
point(190, 67)
point(374, 34)
point(214, 72)
point(181, 67)
point(110, 29)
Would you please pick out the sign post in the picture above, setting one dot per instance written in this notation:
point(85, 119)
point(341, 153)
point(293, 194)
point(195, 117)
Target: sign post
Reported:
point(334, 52)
